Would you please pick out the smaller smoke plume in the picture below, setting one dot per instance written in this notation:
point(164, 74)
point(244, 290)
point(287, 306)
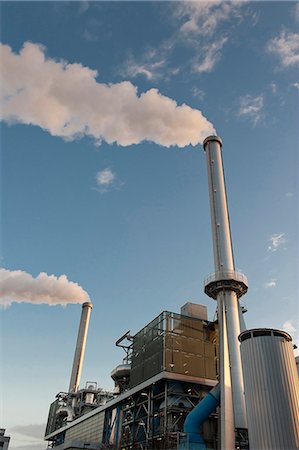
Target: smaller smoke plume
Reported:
point(18, 286)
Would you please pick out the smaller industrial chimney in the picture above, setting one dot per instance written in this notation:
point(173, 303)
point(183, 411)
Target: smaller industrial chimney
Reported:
point(80, 347)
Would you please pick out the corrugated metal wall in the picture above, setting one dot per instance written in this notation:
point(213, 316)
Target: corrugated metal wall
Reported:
point(88, 431)
point(271, 389)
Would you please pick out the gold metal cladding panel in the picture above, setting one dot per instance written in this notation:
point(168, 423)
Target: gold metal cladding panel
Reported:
point(208, 349)
point(90, 429)
point(190, 364)
point(184, 344)
point(210, 368)
point(191, 345)
point(189, 328)
point(176, 344)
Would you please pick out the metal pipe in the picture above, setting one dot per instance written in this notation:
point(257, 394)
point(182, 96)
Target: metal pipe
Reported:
point(199, 415)
point(80, 347)
point(227, 435)
point(226, 289)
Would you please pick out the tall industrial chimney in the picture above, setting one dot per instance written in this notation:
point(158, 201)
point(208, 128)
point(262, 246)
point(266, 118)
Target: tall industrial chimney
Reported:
point(226, 286)
point(80, 347)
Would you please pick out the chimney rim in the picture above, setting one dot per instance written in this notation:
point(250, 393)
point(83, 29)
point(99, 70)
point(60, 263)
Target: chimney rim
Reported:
point(212, 138)
point(87, 304)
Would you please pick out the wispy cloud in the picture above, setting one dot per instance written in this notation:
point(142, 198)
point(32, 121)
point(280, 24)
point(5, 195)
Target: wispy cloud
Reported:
point(30, 437)
point(277, 241)
point(198, 93)
point(295, 12)
point(151, 66)
point(204, 18)
point(286, 47)
point(273, 87)
point(296, 86)
point(210, 56)
point(106, 180)
point(105, 177)
point(83, 7)
point(93, 25)
point(290, 327)
point(270, 284)
point(197, 27)
point(289, 194)
point(251, 106)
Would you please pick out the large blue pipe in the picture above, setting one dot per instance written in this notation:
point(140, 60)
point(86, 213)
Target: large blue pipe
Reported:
point(198, 416)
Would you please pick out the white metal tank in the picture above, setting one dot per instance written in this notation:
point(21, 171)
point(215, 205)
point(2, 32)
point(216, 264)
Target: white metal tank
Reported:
point(271, 389)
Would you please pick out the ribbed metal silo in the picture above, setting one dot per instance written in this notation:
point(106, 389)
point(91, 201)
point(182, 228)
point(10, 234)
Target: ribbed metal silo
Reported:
point(271, 389)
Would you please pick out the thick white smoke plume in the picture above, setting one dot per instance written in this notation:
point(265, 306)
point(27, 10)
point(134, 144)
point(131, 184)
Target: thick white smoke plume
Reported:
point(67, 101)
point(18, 286)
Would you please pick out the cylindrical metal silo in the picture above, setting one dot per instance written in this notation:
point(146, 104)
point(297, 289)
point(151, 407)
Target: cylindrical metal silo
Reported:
point(271, 389)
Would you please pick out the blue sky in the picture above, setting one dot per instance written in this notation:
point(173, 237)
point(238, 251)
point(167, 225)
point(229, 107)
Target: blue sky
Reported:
point(130, 222)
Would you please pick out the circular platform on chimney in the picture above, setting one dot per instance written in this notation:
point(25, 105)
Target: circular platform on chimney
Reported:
point(225, 280)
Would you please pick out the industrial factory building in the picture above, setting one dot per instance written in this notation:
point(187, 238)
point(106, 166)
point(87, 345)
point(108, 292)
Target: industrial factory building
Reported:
point(185, 382)
point(169, 366)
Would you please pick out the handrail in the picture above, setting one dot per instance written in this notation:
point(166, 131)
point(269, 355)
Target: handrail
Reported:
point(226, 275)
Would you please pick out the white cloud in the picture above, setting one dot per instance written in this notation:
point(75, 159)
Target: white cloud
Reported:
point(105, 180)
point(286, 47)
point(289, 194)
point(296, 86)
point(67, 101)
point(211, 55)
point(252, 108)
point(276, 242)
point(270, 284)
point(105, 177)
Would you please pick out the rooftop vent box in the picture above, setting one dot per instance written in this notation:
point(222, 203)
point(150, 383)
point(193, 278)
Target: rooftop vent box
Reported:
point(194, 310)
